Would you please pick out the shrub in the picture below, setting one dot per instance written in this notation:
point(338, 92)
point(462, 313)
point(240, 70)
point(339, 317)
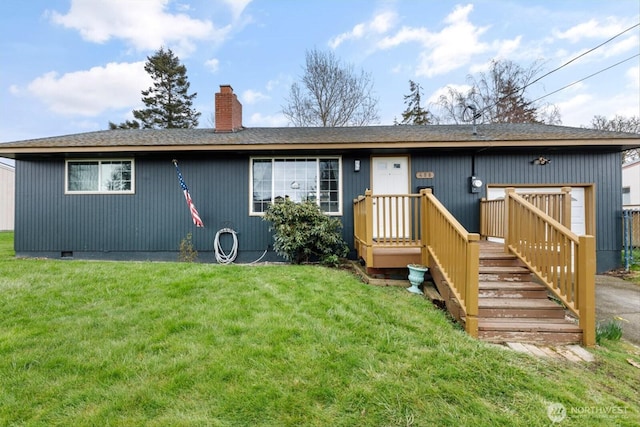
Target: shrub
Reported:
point(303, 233)
point(611, 330)
point(187, 252)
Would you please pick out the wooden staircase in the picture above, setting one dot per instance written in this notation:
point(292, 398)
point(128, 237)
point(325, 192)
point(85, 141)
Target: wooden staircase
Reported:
point(512, 307)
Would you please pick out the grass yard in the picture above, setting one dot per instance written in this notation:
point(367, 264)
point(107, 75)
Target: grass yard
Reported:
point(155, 344)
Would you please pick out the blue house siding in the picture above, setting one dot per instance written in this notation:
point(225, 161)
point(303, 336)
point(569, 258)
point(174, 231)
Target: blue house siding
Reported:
point(146, 225)
point(151, 223)
point(451, 186)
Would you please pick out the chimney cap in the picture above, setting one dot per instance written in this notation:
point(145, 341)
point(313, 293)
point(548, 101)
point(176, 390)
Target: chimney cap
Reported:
point(226, 88)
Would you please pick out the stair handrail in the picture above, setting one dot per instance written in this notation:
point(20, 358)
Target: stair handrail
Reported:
point(555, 204)
point(455, 251)
point(563, 261)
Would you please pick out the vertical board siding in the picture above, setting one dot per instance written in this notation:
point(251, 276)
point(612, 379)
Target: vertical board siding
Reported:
point(156, 218)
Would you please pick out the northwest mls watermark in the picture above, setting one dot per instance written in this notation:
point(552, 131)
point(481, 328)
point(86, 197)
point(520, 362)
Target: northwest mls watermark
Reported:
point(557, 412)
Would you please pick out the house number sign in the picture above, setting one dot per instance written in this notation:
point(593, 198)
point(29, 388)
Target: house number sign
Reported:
point(425, 175)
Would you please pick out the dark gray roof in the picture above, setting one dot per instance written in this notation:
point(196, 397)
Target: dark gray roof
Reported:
point(288, 138)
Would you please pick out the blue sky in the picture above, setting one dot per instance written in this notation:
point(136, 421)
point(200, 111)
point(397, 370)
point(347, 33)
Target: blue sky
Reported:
point(71, 66)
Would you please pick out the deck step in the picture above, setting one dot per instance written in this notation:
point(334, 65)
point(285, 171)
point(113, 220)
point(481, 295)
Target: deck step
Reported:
point(527, 325)
point(519, 308)
point(499, 259)
point(504, 274)
point(501, 289)
point(532, 331)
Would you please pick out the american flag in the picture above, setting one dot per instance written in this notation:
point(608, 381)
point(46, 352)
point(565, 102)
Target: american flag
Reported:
point(192, 208)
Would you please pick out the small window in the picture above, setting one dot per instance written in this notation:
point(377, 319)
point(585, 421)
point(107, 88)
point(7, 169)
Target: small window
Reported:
point(298, 179)
point(99, 176)
point(626, 195)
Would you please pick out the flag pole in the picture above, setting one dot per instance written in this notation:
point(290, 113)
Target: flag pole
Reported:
point(195, 216)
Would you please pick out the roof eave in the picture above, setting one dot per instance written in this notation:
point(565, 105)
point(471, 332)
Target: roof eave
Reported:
point(617, 144)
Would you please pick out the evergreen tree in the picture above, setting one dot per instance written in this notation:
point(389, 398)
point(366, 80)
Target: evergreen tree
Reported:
point(168, 103)
point(129, 124)
point(414, 114)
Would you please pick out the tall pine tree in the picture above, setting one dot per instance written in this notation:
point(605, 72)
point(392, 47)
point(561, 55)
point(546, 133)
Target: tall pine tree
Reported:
point(414, 114)
point(168, 103)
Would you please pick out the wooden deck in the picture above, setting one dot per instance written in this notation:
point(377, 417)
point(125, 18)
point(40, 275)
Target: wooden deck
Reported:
point(493, 294)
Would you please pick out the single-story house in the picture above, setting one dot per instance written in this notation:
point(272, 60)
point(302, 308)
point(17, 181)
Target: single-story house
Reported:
point(114, 194)
point(631, 184)
point(7, 196)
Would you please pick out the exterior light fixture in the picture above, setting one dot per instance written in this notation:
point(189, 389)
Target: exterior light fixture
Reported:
point(356, 165)
point(540, 161)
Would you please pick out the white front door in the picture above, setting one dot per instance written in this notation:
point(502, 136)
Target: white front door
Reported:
point(390, 175)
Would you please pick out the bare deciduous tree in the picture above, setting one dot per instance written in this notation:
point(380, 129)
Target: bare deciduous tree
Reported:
point(620, 124)
point(331, 94)
point(500, 96)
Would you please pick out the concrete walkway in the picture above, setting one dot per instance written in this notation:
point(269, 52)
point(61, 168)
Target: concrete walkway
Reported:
point(617, 298)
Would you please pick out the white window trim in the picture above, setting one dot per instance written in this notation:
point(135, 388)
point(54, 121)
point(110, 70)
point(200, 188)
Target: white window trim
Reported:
point(99, 161)
point(317, 159)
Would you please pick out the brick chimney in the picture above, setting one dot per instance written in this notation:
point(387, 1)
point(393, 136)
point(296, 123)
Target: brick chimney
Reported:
point(228, 110)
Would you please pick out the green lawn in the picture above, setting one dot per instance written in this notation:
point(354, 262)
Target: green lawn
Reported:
point(155, 344)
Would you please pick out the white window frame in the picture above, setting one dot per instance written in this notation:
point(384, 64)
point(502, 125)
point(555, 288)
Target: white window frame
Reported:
point(99, 162)
point(317, 159)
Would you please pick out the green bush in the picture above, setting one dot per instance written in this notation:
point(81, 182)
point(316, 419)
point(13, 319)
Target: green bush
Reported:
point(188, 253)
point(303, 233)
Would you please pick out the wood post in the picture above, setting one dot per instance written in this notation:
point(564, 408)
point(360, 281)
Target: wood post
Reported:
point(586, 289)
point(507, 222)
point(471, 283)
point(368, 221)
point(424, 227)
point(566, 207)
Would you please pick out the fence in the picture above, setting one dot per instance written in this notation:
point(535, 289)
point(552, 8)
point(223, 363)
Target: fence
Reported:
point(630, 235)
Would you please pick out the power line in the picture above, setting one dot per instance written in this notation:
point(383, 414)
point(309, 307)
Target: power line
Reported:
point(516, 90)
point(585, 78)
point(580, 56)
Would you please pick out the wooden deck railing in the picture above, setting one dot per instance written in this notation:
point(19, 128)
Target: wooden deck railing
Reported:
point(556, 205)
point(420, 220)
point(385, 220)
point(563, 261)
point(456, 254)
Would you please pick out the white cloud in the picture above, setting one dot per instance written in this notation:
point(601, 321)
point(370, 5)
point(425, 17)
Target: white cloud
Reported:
point(380, 24)
point(251, 97)
point(91, 92)
point(506, 48)
point(577, 110)
point(144, 24)
point(14, 90)
point(633, 74)
point(406, 35)
point(580, 109)
point(274, 120)
point(591, 29)
point(454, 46)
point(237, 6)
point(450, 48)
point(444, 91)
point(623, 46)
point(212, 64)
